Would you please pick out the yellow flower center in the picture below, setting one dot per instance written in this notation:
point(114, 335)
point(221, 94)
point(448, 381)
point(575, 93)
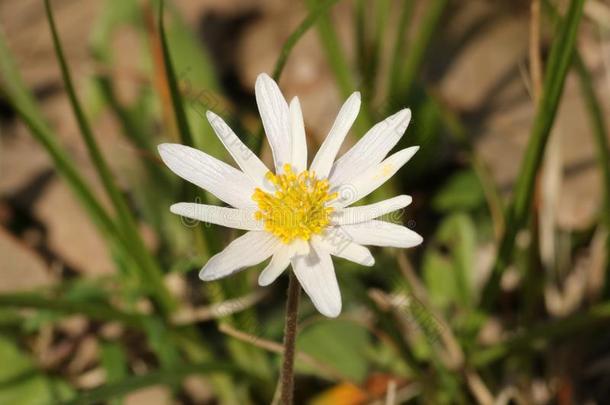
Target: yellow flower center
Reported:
point(298, 208)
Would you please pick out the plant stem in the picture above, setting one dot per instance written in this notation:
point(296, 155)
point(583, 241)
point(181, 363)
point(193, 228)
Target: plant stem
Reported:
point(290, 335)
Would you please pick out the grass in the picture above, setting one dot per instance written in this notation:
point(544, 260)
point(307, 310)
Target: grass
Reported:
point(518, 213)
point(420, 318)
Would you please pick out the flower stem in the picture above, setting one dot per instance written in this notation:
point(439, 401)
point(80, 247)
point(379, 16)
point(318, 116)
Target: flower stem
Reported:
point(290, 334)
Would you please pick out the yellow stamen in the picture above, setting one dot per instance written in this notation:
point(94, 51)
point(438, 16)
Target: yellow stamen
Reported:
point(298, 208)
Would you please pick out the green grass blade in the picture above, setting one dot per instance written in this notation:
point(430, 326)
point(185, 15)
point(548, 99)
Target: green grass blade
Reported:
point(151, 273)
point(177, 104)
point(399, 45)
point(383, 9)
point(26, 108)
point(517, 214)
point(369, 34)
point(332, 46)
point(191, 192)
point(315, 14)
point(114, 362)
point(600, 133)
point(338, 61)
point(97, 311)
point(167, 376)
point(417, 51)
point(460, 134)
point(540, 336)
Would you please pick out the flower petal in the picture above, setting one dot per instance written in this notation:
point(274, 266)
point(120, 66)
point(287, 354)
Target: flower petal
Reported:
point(316, 275)
point(248, 250)
point(381, 233)
point(243, 156)
point(225, 182)
point(277, 265)
point(372, 148)
point(299, 142)
point(363, 213)
point(323, 162)
point(371, 179)
point(274, 113)
point(224, 216)
point(339, 243)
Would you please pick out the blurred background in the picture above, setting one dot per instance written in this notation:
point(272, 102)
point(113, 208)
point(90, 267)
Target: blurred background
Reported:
point(99, 296)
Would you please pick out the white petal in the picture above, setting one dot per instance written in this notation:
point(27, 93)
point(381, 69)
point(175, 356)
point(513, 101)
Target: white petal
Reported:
point(338, 243)
point(225, 182)
point(248, 250)
point(278, 263)
point(365, 183)
point(230, 217)
point(316, 275)
point(363, 213)
point(380, 233)
point(372, 148)
point(299, 142)
point(325, 157)
point(274, 113)
point(243, 156)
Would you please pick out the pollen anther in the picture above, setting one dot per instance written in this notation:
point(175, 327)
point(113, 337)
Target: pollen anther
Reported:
point(298, 208)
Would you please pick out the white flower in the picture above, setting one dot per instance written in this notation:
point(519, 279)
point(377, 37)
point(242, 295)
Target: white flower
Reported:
point(298, 216)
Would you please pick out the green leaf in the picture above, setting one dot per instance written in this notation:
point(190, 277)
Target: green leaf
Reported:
point(114, 361)
point(459, 234)
point(448, 269)
point(21, 383)
point(160, 341)
point(463, 191)
point(338, 343)
point(437, 271)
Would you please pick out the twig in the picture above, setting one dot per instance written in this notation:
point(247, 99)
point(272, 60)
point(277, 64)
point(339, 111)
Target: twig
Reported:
point(275, 347)
point(221, 309)
point(390, 398)
point(403, 394)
